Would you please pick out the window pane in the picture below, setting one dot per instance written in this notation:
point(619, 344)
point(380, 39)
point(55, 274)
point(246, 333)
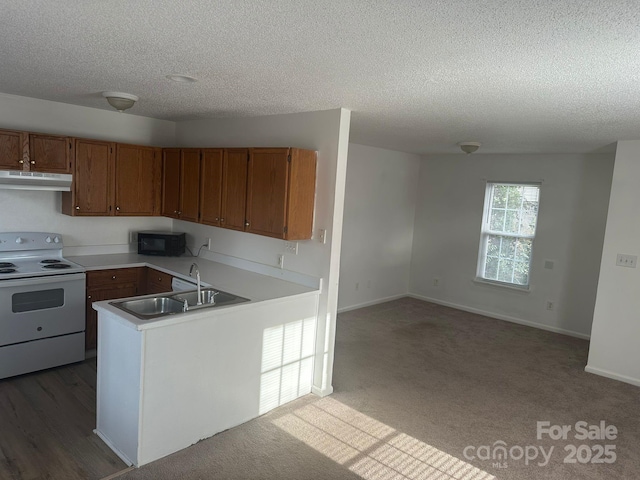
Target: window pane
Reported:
point(493, 246)
point(497, 220)
point(500, 196)
point(521, 273)
point(515, 197)
point(508, 249)
point(523, 251)
point(512, 223)
point(505, 271)
point(491, 268)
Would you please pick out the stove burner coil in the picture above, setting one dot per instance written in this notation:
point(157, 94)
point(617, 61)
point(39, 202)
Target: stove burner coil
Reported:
point(6, 265)
point(50, 261)
point(57, 266)
point(7, 270)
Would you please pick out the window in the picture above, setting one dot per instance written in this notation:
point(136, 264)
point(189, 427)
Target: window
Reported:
point(508, 230)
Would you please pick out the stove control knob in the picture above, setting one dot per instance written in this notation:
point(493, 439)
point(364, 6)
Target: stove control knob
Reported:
point(20, 240)
point(48, 240)
point(56, 239)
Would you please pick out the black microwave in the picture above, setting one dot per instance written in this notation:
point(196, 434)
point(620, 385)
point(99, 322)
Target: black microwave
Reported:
point(168, 244)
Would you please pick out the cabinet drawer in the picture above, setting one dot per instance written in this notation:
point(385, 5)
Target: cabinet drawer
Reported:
point(158, 281)
point(112, 276)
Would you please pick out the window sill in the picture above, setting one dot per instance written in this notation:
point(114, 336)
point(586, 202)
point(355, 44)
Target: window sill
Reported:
point(510, 286)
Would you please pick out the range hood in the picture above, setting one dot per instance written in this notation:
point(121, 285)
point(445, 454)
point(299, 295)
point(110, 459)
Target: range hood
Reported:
point(20, 180)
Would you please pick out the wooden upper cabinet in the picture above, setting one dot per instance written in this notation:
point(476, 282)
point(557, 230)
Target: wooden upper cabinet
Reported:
point(12, 146)
point(211, 186)
point(171, 182)
point(281, 192)
point(181, 183)
point(189, 184)
point(91, 191)
point(138, 172)
point(49, 153)
point(234, 188)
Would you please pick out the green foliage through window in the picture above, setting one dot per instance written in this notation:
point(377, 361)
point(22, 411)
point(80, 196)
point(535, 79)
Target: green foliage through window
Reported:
point(509, 227)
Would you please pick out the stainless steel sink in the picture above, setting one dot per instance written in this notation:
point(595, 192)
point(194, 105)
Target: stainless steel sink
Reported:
point(172, 303)
point(209, 297)
point(152, 307)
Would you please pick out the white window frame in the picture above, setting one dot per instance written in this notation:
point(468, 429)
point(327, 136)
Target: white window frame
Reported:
point(486, 232)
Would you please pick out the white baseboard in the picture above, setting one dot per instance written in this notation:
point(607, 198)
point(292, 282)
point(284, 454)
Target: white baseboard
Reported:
point(612, 375)
point(110, 444)
point(372, 302)
point(499, 316)
point(320, 392)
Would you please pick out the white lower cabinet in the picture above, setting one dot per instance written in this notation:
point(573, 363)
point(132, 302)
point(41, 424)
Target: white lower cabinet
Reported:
point(164, 386)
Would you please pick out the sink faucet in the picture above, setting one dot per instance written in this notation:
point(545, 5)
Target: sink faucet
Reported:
point(195, 265)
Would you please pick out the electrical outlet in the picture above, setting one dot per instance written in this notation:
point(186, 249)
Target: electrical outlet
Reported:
point(133, 237)
point(291, 247)
point(281, 261)
point(208, 244)
point(436, 282)
point(323, 235)
point(550, 305)
point(623, 260)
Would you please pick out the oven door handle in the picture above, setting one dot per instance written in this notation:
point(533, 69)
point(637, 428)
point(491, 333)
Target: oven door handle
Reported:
point(33, 281)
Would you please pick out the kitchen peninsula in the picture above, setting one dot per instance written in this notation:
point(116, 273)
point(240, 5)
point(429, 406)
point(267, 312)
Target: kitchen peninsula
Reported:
point(166, 383)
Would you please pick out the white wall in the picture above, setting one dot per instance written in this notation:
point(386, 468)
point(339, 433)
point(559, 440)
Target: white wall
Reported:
point(615, 351)
point(328, 133)
point(573, 208)
point(378, 225)
point(40, 211)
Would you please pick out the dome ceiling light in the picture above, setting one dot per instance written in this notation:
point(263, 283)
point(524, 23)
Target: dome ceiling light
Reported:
point(119, 100)
point(469, 147)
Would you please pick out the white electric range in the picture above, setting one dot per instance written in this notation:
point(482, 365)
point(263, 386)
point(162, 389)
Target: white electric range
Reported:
point(42, 304)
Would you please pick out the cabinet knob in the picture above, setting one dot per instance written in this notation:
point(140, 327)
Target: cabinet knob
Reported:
point(179, 213)
point(114, 277)
point(20, 161)
point(89, 297)
point(217, 219)
point(33, 162)
point(246, 224)
point(117, 209)
point(222, 219)
point(159, 279)
point(77, 207)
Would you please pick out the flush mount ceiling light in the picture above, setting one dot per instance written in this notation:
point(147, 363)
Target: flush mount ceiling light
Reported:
point(119, 100)
point(182, 78)
point(469, 147)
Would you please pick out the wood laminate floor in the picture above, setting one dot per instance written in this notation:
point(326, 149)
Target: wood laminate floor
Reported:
point(46, 426)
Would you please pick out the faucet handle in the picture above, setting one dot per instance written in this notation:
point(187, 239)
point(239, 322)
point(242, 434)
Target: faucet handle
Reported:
point(185, 305)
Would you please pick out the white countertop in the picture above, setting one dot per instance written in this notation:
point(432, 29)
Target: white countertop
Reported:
point(223, 277)
point(254, 286)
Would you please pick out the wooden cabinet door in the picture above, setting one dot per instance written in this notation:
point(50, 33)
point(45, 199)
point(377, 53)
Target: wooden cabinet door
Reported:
point(234, 188)
point(211, 186)
point(49, 153)
point(157, 282)
point(98, 295)
point(267, 184)
point(12, 150)
point(171, 182)
point(137, 180)
point(301, 194)
point(190, 185)
point(92, 184)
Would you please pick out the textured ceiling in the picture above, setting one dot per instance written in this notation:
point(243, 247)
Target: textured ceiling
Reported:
point(419, 76)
